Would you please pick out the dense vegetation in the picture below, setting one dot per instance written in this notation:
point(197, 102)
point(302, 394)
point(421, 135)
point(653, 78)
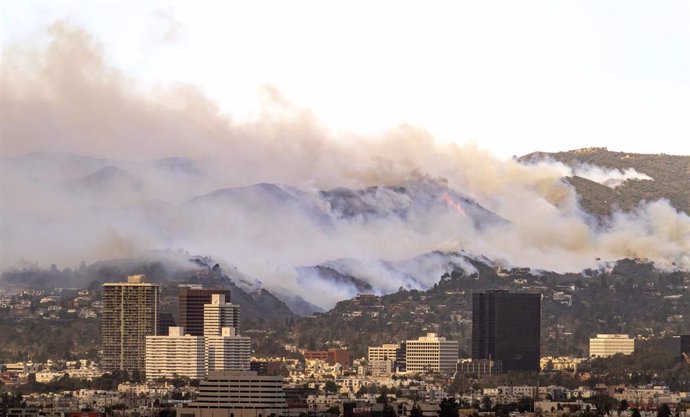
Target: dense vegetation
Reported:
point(39, 339)
point(670, 173)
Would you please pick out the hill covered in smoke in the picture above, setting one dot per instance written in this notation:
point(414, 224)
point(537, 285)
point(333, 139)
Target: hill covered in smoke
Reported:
point(606, 180)
point(310, 247)
point(95, 167)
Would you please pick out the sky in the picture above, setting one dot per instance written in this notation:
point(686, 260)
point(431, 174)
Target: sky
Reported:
point(512, 77)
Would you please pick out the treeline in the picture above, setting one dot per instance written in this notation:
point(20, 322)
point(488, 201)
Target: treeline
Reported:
point(40, 340)
point(106, 382)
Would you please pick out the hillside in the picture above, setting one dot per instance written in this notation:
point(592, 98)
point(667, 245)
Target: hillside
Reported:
point(258, 305)
point(631, 297)
point(670, 173)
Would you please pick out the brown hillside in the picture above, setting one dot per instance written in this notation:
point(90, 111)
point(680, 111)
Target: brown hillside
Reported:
point(671, 174)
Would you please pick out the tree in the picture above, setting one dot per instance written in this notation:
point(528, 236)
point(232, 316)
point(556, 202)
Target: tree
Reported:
point(636, 413)
point(486, 403)
point(449, 407)
point(416, 411)
point(663, 411)
point(623, 406)
point(166, 412)
point(525, 404)
point(330, 387)
point(383, 398)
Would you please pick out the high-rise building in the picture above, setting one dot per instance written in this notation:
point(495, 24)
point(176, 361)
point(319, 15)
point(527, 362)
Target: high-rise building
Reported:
point(238, 394)
point(221, 348)
point(506, 327)
point(610, 344)
point(191, 308)
point(219, 314)
point(130, 313)
point(685, 345)
point(227, 351)
point(431, 353)
point(176, 354)
point(165, 321)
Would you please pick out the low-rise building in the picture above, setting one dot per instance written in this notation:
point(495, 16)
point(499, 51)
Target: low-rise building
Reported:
point(238, 394)
point(610, 344)
point(431, 353)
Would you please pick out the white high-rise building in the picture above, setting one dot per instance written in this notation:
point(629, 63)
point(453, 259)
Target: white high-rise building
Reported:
point(227, 352)
point(431, 353)
point(225, 349)
point(221, 348)
point(173, 355)
point(610, 344)
point(219, 314)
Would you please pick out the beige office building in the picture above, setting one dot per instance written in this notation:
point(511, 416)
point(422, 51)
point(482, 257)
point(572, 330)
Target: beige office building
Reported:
point(431, 353)
point(130, 313)
point(238, 394)
point(173, 355)
point(227, 352)
point(219, 314)
point(610, 344)
point(387, 351)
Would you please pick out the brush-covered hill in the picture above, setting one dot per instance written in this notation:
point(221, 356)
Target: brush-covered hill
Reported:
point(670, 178)
point(629, 297)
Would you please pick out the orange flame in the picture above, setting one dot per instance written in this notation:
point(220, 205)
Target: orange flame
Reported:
point(452, 203)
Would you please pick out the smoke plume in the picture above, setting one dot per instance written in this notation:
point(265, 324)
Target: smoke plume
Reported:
point(96, 167)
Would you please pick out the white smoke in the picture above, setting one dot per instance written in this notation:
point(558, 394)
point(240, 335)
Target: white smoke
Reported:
point(611, 178)
point(64, 209)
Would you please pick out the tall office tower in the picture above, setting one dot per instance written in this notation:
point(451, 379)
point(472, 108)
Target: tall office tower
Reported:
point(130, 313)
point(506, 327)
point(219, 314)
point(227, 351)
point(238, 394)
point(431, 353)
point(175, 354)
point(165, 321)
point(191, 308)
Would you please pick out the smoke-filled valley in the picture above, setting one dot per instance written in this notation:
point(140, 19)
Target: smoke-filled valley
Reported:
point(96, 168)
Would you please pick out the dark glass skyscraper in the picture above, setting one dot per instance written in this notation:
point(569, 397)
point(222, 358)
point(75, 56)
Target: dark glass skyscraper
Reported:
point(506, 327)
point(191, 308)
point(685, 345)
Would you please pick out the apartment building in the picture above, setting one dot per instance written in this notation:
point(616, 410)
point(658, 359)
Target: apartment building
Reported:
point(130, 313)
point(177, 354)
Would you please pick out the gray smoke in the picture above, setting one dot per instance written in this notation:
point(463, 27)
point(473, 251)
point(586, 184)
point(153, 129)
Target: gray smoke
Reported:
point(123, 170)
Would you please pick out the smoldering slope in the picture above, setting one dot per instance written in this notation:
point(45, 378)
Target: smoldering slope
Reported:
point(104, 185)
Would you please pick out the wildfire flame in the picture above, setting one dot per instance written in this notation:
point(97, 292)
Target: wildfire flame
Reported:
point(453, 204)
